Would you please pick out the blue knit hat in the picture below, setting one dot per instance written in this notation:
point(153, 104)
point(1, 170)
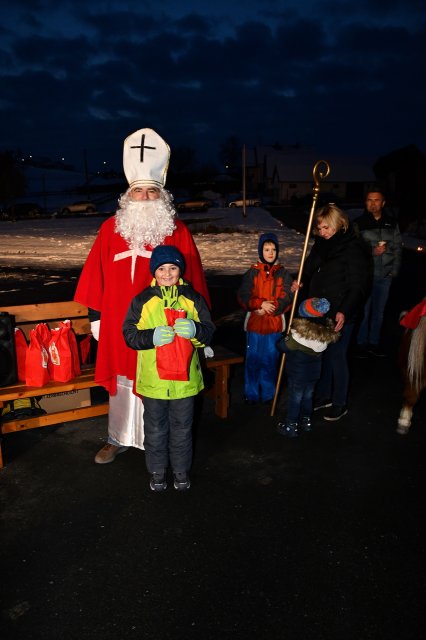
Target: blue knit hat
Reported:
point(314, 307)
point(267, 237)
point(166, 254)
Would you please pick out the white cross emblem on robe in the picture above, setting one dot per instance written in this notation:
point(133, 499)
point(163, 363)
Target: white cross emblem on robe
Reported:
point(132, 253)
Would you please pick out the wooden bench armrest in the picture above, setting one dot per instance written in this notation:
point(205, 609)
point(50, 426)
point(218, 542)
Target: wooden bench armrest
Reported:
point(222, 356)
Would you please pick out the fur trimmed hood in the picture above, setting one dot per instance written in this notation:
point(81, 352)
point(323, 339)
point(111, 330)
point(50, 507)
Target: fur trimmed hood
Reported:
point(317, 331)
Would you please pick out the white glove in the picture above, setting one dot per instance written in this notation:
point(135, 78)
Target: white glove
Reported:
point(208, 352)
point(163, 335)
point(95, 327)
point(184, 327)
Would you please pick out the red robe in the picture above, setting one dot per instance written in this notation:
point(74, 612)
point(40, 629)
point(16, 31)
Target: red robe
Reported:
point(106, 285)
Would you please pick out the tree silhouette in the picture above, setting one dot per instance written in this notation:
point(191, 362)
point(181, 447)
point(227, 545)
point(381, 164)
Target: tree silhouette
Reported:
point(12, 178)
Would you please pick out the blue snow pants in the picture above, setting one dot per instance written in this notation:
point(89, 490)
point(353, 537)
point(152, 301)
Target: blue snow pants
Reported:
point(261, 366)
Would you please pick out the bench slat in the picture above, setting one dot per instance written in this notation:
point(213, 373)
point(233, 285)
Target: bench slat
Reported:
point(56, 418)
point(46, 311)
point(15, 391)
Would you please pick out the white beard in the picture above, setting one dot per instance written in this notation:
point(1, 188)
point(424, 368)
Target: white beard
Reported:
point(145, 223)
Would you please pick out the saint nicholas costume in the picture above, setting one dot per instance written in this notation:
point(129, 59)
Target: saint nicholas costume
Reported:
point(114, 273)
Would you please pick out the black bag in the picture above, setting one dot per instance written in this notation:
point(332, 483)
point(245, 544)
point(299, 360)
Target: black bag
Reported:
point(8, 364)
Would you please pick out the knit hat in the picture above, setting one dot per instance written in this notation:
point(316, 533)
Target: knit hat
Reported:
point(267, 237)
point(166, 254)
point(314, 307)
point(145, 159)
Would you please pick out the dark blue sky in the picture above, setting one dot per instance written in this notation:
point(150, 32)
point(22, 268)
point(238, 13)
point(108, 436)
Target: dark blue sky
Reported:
point(343, 77)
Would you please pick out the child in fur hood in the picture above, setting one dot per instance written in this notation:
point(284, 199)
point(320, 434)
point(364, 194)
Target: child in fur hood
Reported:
point(309, 336)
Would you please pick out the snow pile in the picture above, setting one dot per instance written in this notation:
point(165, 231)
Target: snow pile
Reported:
point(226, 240)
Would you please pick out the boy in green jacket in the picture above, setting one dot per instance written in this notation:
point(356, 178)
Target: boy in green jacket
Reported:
point(168, 395)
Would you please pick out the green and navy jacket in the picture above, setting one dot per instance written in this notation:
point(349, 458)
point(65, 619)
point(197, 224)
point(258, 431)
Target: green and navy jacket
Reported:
point(146, 312)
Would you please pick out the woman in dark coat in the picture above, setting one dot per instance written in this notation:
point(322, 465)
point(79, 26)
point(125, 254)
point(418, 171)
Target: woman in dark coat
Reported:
point(338, 268)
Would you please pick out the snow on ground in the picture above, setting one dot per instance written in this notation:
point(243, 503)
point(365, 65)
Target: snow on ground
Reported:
point(226, 240)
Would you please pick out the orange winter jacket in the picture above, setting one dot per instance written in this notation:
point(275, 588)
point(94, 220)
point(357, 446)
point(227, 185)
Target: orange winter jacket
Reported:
point(263, 282)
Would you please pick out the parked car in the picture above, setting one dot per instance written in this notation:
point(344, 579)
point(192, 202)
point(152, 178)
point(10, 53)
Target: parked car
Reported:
point(22, 210)
point(250, 202)
point(84, 206)
point(194, 204)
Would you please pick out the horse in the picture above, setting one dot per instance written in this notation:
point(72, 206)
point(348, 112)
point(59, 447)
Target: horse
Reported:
point(412, 363)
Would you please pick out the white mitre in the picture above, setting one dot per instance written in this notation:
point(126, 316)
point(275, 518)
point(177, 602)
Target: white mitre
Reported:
point(145, 159)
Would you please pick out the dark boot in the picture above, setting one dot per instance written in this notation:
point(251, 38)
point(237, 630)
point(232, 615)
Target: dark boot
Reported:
point(305, 424)
point(288, 429)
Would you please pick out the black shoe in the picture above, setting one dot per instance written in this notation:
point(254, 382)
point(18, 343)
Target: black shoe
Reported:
point(287, 429)
point(375, 350)
point(305, 424)
point(181, 481)
point(321, 404)
point(158, 482)
point(361, 351)
point(335, 413)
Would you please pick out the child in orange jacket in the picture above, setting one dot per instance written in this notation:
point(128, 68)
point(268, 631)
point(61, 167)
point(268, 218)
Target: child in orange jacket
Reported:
point(265, 293)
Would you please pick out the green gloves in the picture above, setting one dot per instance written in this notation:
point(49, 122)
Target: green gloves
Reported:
point(163, 335)
point(185, 328)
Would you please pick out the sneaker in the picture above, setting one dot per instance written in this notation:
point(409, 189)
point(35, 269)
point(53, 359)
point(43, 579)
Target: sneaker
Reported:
point(335, 413)
point(376, 351)
point(321, 404)
point(181, 481)
point(108, 453)
point(305, 424)
point(158, 481)
point(288, 430)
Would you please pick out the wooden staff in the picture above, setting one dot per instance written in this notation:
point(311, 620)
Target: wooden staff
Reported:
point(318, 175)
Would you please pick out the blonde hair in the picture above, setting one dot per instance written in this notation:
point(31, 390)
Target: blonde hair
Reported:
point(331, 215)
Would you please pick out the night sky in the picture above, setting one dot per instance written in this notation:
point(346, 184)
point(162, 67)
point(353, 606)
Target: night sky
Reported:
point(339, 76)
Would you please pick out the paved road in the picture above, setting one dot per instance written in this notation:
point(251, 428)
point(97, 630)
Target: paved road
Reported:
point(318, 538)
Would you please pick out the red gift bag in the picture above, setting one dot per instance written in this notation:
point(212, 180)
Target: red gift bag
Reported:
point(44, 334)
point(36, 362)
point(84, 347)
point(63, 350)
point(174, 359)
point(21, 347)
point(75, 355)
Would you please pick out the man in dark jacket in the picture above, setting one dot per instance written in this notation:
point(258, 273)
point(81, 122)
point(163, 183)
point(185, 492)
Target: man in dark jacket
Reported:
point(382, 234)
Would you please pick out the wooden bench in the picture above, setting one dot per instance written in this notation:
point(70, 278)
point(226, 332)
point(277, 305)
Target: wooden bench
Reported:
point(221, 364)
point(27, 316)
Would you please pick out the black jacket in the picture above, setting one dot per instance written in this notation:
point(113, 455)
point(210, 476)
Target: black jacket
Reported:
point(340, 269)
point(386, 228)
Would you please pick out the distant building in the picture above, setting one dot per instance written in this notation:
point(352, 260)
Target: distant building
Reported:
point(284, 174)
